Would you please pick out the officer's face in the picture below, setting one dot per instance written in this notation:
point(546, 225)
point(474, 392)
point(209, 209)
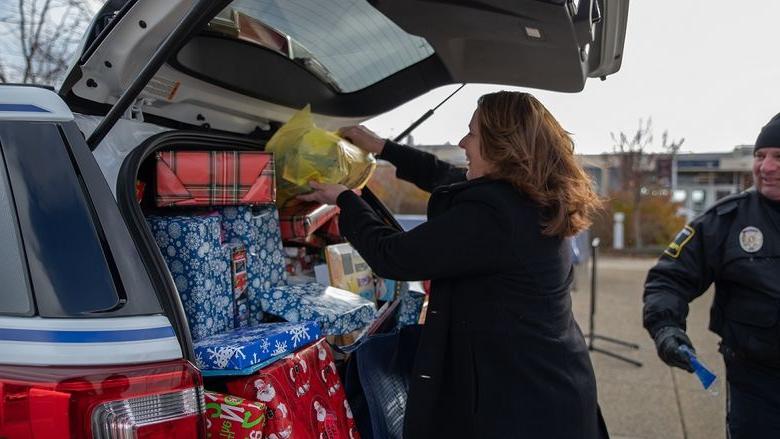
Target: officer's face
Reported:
point(766, 172)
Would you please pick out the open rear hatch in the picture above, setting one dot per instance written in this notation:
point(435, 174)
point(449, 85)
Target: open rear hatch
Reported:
point(244, 65)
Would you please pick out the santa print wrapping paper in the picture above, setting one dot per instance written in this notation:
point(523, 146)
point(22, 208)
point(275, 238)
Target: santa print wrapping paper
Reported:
point(211, 178)
point(258, 229)
point(239, 350)
point(232, 417)
point(337, 311)
point(200, 268)
point(303, 396)
point(301, 220)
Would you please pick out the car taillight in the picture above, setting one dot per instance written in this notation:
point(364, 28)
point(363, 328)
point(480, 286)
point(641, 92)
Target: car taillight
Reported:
point(161, 400)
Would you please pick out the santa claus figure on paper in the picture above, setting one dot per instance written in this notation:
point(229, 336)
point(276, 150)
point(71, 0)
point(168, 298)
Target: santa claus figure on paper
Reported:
point(277, 414)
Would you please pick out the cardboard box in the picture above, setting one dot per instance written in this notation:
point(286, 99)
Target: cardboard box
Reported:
point(349, 271)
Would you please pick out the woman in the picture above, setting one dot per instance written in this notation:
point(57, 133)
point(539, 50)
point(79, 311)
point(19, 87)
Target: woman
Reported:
point(500, 354)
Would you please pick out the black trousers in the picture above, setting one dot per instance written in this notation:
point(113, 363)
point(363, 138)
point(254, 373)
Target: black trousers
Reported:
point(753, 400)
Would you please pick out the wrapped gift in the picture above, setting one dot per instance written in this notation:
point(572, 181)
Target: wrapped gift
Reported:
point(303, 395)
point(298, 261)
point(140, 186)
point(337, 311)
point(212, 178)
point(200, 269)
point(330, 231)
point(349, 271)
point(258, 230)
point(242, 351)
point(388, 289)
point(240, 279)
point(410, 307)
point(229, 416)
point(301, 220)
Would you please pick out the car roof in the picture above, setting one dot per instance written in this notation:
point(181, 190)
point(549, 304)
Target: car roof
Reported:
point(254, 62)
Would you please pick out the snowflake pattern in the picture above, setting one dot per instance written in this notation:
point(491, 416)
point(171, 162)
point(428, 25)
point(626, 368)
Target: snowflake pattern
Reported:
point(280, 347)
point(299, 335)
point(410, 307)
point(258, 230)
point(200, 269)
point(242, 348)
point(336, 311)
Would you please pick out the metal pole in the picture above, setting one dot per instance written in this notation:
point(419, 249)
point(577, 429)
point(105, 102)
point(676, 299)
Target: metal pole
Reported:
point(593, 259)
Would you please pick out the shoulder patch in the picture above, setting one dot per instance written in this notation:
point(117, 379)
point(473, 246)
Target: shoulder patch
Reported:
point(683, 237)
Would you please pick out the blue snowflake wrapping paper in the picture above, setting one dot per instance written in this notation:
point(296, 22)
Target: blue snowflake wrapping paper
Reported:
point(410, 307)
point(242, 351)
point(337, 311)
point(200, 269)
point(259, 232)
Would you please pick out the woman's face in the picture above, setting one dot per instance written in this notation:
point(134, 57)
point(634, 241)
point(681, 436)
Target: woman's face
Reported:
point(477, 166)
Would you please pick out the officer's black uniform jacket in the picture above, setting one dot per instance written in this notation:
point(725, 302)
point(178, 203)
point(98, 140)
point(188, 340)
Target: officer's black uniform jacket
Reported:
point(500, 354)
point(747, 282)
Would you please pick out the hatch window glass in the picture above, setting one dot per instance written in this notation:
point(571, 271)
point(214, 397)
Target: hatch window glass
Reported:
point(346, 43)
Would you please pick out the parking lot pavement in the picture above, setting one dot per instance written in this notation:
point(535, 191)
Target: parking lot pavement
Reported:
point(652, 401)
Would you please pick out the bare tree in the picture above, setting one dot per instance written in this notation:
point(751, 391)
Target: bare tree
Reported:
point(40, 37)
point(636, 165)
point(631, 150)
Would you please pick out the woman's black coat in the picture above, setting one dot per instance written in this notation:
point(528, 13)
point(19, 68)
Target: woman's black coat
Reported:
point(500, 355)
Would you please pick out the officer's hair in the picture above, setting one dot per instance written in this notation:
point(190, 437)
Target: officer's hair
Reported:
point(527, 147)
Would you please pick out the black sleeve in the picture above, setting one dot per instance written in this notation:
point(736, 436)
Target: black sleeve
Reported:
point(684, 272)
point(421, 168)
point(471, 238)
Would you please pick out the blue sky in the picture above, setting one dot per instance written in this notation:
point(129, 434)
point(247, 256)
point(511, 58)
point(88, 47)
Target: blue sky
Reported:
point(704, 70)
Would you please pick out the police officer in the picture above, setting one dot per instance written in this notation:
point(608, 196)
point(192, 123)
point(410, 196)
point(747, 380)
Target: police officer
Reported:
point(736, 245)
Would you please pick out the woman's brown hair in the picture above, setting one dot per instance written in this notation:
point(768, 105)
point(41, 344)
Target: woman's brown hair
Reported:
point(527, 147)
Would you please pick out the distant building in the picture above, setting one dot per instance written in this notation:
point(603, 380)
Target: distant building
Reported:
point(696, 180)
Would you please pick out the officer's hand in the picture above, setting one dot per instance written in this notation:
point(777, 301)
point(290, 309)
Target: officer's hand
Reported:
point(668, 341)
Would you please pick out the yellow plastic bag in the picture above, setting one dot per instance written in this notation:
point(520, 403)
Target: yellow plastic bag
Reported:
point(303, 152)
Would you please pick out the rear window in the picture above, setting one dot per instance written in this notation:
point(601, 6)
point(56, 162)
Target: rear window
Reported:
point(15, 298)
point(346, 43)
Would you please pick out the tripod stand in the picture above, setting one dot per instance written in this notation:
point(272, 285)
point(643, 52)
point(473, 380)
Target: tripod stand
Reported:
point(592, 335)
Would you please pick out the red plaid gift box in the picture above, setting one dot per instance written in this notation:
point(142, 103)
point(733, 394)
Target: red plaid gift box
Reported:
point(331, 229)
point(303, 395)
point(232, 417)
point(211, 178)
point(301, 220)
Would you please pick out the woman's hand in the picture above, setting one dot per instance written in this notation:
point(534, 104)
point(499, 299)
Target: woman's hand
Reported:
point(363, 138)
point(324, 193)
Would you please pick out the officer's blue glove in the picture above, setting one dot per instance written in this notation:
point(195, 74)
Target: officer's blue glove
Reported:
point(668, 341)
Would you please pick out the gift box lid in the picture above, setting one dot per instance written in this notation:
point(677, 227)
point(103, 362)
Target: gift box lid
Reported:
point(337, 311)
point(242, 351)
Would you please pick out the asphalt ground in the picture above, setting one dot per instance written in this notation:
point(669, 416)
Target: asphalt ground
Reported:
point(655, 400)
